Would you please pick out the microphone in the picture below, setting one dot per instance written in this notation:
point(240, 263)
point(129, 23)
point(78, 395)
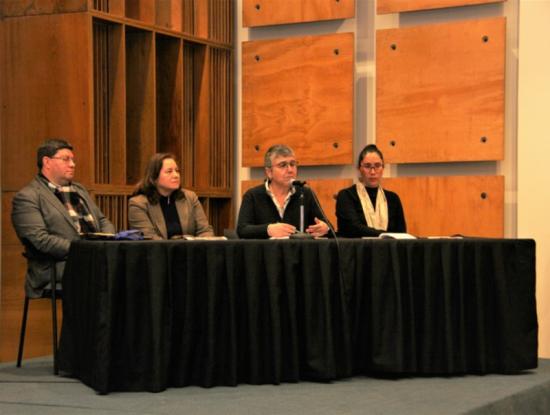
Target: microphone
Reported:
point(298, 183)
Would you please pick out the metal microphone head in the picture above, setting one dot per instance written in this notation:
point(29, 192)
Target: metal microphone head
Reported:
point(298, 183)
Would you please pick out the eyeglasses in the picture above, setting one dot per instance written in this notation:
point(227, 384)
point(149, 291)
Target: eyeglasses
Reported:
point(65, 159)
point(285, 164)
point(375, 166)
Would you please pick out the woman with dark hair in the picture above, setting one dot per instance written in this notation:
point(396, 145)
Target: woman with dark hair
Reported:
point(366, 209)
point(161, 208)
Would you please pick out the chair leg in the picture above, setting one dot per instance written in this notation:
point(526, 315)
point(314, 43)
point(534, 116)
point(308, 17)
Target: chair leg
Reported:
point(54, 332)
point(23, 329)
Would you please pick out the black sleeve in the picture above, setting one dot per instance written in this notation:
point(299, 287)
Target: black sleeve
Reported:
point(246, 223)
point(397, 217)
point(350, 218)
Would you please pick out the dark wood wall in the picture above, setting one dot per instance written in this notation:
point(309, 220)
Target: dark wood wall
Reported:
point(120, 80)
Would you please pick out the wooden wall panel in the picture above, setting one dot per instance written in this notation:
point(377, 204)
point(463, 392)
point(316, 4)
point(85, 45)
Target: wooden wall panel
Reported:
point(50, 98)
point(273, 12)
point(299, 91)
point(325, 189)
point(440, 92)
point(466, 205)
point(395, 6)
point(8, 233)
point(14, 8)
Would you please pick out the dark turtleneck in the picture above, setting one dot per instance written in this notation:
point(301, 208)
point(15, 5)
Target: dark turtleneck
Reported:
point(372, 191)
point(170, 213)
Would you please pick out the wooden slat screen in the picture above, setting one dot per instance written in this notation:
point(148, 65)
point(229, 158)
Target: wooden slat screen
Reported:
point(188, 145)
point(219, 214)
point(140, 102)
point(114, 207)
point(169, 94)
point(221, 21)
point(188, 16)
point(220, 119)
point(101, 101)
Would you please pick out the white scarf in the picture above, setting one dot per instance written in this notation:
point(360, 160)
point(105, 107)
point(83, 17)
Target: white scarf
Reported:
point(376, 218)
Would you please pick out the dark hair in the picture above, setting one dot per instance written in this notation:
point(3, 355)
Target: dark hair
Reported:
point(148, 185)
point(48, 149)
point(370, 148)
point(280, 150)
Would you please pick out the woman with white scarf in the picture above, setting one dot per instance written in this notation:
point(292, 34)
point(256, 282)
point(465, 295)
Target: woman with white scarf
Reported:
point(366, 209)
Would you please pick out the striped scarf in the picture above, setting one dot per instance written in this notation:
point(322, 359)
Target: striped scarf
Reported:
point(83, 220)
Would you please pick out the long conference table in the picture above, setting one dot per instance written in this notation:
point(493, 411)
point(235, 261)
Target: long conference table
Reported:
point(144, 316)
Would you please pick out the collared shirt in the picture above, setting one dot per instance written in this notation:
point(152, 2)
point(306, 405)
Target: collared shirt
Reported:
point(280, 209)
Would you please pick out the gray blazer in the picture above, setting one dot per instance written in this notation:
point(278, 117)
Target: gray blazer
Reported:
point(45, 228)
point(149, 219)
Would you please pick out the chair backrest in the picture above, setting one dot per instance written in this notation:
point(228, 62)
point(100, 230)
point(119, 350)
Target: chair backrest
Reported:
point(230, 234)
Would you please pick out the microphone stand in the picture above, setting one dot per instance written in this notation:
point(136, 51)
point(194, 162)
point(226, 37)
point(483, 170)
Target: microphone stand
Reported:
point(301, 234)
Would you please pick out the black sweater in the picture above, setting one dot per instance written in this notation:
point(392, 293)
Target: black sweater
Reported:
point(352, 222)
point(258, 211)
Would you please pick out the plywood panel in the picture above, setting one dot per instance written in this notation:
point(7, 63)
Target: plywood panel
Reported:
point(394, 6)
point(299, 92)
point(466, 205)
point(50, 98)
point(440, 92)
point(325, 189)
point(273, 12)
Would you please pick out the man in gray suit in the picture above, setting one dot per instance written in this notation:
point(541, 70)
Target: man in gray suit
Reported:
point(50, 212)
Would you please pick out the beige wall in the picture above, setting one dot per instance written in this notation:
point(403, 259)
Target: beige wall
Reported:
point(533, 153)
point(525, 167)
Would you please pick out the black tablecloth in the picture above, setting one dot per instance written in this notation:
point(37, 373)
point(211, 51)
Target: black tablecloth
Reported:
point(150, 315)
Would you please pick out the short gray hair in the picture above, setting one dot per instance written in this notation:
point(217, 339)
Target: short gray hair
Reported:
point(277, 150)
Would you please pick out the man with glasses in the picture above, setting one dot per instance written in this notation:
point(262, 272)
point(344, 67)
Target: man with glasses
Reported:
point(272, 209)
point(50, 212)
point(365, 209)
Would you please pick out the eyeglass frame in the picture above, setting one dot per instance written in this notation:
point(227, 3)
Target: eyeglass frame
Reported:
point(375, 166)
point(286, 164)
point(64, 159)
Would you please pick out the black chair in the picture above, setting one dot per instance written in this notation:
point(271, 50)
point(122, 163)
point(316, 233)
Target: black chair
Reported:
point(230, 234)
point(53, 295)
